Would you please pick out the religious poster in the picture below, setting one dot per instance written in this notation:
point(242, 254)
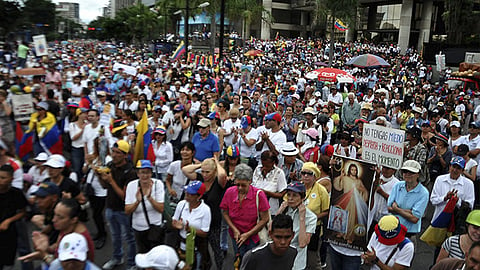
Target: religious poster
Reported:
point(351, 188)
point(40, 43)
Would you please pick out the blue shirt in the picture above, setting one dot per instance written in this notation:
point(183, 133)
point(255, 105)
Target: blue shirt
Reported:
point(415, 200)
point(204, 148)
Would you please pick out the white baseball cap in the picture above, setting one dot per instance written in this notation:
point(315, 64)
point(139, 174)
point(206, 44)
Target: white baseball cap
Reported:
point(55, 161)
point(41, 157)
point(160, 257)
point(73, 247)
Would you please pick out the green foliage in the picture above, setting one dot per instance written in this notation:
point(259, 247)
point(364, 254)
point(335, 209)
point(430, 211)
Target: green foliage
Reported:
point(460, 19)
point(9, 13)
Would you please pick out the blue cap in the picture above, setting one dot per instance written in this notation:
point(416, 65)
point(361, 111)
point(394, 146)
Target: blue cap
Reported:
point(459, 161)
point(47, 188)
point(195, 188)
point(144, 164)
point(296, 186)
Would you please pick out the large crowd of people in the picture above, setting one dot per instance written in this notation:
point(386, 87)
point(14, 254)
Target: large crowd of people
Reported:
point(238, 148)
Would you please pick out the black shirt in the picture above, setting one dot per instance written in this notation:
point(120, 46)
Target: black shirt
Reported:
point(67, 185)
point(213, 197)
point(10, 203)
point(122, 176)
point(262, 257)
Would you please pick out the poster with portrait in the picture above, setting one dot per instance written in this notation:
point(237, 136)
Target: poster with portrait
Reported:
point(351, 188)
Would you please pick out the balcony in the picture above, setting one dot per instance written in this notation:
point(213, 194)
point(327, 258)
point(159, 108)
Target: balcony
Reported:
point(303, 4)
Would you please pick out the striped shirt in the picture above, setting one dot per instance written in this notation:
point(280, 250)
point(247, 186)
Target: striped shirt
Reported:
point(452, 247)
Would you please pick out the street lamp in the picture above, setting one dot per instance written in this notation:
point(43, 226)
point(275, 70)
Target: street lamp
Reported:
point(187, 11)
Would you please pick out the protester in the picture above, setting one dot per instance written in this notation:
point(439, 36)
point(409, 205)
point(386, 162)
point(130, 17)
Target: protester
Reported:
point(278, 254)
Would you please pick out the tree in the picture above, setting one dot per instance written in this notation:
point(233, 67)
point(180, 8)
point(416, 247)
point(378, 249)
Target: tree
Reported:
point(39, 12)
point(344, 10)
point(9, 14)
point(460, 17)
point(251, 12)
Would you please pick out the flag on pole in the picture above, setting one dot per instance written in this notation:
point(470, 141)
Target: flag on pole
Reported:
point(179, 51)
point(143, 145)
point(23, 143)
point(340, 25)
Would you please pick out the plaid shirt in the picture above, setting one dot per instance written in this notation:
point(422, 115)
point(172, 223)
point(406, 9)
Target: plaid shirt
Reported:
point(419, 154)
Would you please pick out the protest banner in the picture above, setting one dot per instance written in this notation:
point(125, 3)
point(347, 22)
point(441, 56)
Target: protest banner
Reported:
point(127, 69)
point(383, 146)
point(347, 224)
point(22, 107)
point(40, 44)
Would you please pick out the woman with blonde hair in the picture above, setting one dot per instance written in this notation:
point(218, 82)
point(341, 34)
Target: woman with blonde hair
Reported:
point(214, 178)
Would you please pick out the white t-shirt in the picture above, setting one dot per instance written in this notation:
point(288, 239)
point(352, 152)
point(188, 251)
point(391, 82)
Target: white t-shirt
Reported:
point(133, 106)
point(178, 178)
point(228, 126)
point(139, 222)
point(74, 130)
point(403, 256)
point(199, 218)
point(89, 135)
point(245, 151)
point(470, 164)
point(278, 139)
point(337, 98)
point(163, 156)
point(274, 182)
point(380, 206)
point(459, 109)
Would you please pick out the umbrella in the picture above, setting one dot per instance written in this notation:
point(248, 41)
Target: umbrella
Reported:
point(254, 53)
point(330, 75)
point(442, 227)
point(322, 64)
point(368, 61)
point(30, 71)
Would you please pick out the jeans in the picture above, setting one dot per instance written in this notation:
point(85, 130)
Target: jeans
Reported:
point(224, 236)
point(97, 204)
point(23, 243)
point(339, 261)
point(78, 159)
point(120, 226)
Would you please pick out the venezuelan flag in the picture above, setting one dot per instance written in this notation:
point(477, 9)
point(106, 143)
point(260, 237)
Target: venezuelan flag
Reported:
point(47, 132)
point(197, 60)
point(190, 57)
point(143, 145)
point(442, 227)
point(179, 51)
point(23, 143)
point(340, 25)
point(210, 60)
point(202, 60)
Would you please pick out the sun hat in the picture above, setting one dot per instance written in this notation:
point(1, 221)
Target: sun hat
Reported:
point(411, 166)
point(312, 132)
point(161, 257)
point(442, 136)
point(309, 110)
point(389, 230)
point(367, 106)
point(204, 123)
point(195, 188)
point(73, 246)
point(289, 149)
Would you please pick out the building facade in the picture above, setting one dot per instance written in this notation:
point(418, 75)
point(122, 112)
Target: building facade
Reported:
point(69, 11)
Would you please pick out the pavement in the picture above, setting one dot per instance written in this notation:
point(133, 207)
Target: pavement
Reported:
point(423, 258)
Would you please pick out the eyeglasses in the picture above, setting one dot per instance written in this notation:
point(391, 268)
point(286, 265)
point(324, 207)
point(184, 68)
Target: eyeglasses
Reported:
point(203, 104)
point(307, 173)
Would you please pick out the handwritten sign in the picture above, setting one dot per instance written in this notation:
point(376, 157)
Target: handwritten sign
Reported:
point(127, 69)
point(383, 146)
point(22, 107)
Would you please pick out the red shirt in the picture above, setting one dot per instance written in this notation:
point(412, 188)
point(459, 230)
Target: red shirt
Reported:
point(244, 216)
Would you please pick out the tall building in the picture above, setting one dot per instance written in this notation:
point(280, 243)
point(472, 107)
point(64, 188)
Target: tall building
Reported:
point(116, 5)
point(69, 11)
point(406, 22)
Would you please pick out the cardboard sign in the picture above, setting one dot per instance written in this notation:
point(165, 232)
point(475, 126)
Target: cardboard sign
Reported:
point(383, 146)
point(127, 69)
point(40, 43)
point(22, 107)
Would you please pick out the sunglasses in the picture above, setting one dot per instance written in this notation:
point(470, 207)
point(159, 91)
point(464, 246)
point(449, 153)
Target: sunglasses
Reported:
point(307, 173)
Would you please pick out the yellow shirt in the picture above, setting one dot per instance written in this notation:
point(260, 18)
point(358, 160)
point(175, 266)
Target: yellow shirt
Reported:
point(406, 118)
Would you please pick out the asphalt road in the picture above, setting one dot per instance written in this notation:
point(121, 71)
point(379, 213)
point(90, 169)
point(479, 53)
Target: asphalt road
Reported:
point(423, 253)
